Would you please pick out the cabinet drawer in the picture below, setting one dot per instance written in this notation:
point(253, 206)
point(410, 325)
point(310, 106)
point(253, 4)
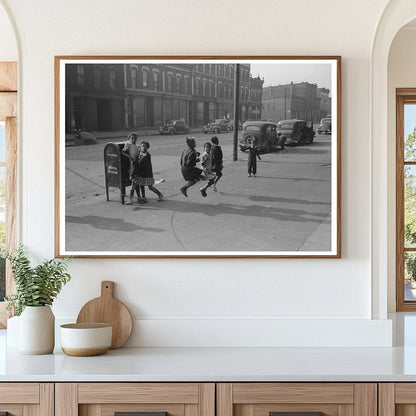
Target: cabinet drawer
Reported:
point(397, 399)
point(296, 399)
point(145, 399)
point(21, 399)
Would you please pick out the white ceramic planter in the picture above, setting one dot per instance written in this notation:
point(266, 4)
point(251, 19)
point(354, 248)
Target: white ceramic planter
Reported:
point(37, 330)
point(12, 334)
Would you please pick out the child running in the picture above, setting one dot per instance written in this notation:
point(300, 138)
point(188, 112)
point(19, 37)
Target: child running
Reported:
point(143, 171)
point(217, 164)
point(206, 163)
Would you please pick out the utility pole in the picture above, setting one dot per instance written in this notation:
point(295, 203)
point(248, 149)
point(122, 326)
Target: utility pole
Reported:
point(236, 107)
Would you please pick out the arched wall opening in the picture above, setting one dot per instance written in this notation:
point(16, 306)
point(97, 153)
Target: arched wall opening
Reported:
point(386, 76)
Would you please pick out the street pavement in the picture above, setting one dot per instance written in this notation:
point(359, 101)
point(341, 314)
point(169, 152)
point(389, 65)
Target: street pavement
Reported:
point(285, 208)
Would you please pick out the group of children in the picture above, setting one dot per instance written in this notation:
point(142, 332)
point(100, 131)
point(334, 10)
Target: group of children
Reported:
point(141, 171)
point(211, 163)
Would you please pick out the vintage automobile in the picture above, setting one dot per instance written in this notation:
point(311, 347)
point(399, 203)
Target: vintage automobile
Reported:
point(217, 126)
point(325, 127)
point(264, 135)
point(174, 127)
point(296, 131)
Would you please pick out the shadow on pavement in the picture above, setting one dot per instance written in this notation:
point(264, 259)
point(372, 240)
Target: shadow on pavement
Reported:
point(105, 223)
point(256, 211)
point(259, 198)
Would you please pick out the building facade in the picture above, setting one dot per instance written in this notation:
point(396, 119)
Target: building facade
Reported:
point(302, 101)
point(137, 95)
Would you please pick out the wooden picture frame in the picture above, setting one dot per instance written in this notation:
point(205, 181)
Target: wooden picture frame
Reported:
point(289, 107)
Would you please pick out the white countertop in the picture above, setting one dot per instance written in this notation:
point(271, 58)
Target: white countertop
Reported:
point(215, 364)
point(222, 364)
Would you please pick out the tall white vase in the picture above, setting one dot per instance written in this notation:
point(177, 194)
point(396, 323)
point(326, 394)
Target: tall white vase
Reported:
point(37, 330)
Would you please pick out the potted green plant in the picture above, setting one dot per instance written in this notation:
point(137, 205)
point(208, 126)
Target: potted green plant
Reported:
point(36, 289)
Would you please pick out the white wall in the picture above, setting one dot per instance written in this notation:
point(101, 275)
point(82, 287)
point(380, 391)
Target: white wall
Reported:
point(223, 301)
point(8, 45)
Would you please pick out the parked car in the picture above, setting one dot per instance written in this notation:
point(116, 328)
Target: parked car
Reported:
point(264, 134)
point(174, 127)
point(296, 131)
point(217, 126)
point(231, 125)
point(325, 127)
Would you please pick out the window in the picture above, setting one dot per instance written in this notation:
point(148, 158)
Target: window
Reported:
point(133, 75)
point(145, 75)
point(97, 77)
point(155, 80)
point(178, 83)
point(186, 85)
point(198, 87)
point(80, 75)
point(406, 200)
point(170, 78)
point(211, 89)
point(112, 76)
point(8, 165)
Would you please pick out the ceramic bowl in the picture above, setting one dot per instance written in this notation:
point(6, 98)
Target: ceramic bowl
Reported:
point(84, 340)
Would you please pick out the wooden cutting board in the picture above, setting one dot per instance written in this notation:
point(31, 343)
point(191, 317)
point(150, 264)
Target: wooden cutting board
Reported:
point(109, 310)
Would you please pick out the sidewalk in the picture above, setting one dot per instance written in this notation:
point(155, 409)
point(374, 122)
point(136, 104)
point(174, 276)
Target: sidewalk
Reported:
point(286, 207)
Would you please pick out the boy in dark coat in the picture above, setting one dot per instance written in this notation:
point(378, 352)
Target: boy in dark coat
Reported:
point(253, 154)
point(217, 164)
point(190, 172)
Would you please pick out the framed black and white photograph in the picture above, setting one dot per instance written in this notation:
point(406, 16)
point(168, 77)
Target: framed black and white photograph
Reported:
point(198, 156)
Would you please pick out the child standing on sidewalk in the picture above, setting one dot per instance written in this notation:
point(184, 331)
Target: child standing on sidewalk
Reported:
point(144, 171)
point(131, 150)
point(253, 154)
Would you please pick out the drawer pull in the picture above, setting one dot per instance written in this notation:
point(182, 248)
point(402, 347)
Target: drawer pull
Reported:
point(295, 413)
point(140, 414)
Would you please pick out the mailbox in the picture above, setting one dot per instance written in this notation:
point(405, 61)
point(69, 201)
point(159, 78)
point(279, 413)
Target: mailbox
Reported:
point(117, 166)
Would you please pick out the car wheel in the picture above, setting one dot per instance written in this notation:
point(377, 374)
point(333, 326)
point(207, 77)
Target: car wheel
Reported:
point(205, 132)
point(172, 131)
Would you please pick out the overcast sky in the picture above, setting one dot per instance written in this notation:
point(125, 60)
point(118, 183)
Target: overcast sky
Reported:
point(284, 73)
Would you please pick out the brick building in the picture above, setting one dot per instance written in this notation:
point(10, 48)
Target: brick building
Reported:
point(294, 101)
point(135, 95)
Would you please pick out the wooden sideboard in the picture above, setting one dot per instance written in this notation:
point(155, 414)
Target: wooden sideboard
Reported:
point(208, 399)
